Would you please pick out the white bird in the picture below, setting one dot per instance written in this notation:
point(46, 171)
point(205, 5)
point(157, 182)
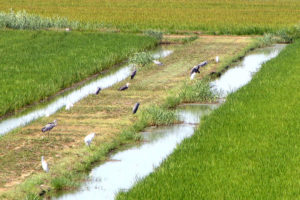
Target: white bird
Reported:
point(157, 62)
point(217, 59)
point(45, 165)
point(69, 105)
point(193, 75)
point(89, 138)
point(67, 29)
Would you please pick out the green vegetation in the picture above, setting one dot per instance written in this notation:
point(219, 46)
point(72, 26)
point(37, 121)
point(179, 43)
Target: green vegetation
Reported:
point(212, 16)
point(246, 149)
point(191, 92)
point(35, 65)
point(109, 115)
point(141, 59)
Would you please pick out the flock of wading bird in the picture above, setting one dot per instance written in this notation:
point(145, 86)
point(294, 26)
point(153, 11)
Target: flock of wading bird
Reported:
point(89, 138)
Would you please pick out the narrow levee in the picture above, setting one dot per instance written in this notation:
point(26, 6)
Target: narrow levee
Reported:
point(127, 167)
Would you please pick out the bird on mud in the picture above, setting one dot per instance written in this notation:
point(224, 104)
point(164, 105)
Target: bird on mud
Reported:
point(135, 107)
point(196, 68)
point(217, 59)
point(133, 74)
point(49, 126)
point(98, 90)
point(45, 165)
point(88, 139)
point(125, 87)
point(157, 62)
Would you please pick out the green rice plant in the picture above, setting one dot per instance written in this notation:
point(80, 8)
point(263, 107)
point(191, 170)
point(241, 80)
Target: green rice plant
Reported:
point(37, 64)
point(208, 16)
point(141, 59)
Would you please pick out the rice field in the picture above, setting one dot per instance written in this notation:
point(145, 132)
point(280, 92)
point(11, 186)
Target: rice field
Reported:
point(37, 64)
point(246, 149)
point(109, 115)
point(213, 16)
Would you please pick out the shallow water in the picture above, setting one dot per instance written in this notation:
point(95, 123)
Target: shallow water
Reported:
point(241, 74)
point(128, 166)
point(73, 97)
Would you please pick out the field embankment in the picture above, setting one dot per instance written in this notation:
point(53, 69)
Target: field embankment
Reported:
point(37, 64)
point(213, 16)
point(107, 114)
point(246, 149)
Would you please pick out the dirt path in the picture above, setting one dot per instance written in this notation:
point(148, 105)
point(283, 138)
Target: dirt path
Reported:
point(106, 114)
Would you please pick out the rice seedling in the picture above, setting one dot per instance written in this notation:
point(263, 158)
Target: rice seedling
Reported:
point(246, 149)
point(37, 64)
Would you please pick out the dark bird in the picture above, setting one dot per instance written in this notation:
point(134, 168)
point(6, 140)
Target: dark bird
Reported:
point(195, 69)
point(125, 87)
point(49, 126)
point(133, 74)
point(135, 108)
point(157, 62)
point(98, 90)
point(202, 64)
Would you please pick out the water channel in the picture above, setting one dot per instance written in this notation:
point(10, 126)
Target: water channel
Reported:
point(127, 167)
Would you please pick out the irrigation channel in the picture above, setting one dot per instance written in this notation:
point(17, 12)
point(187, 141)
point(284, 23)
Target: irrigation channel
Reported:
point(90, 88)
point(128, 166)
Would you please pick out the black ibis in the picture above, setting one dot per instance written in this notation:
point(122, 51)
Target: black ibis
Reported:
point(125, 87)
point(135, 108)
point(98, 90)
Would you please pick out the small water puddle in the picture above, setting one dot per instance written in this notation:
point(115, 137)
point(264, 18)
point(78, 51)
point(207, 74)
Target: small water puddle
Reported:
point(75, 96)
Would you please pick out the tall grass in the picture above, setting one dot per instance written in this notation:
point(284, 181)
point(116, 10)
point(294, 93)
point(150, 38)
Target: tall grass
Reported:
point(246, 149)
point(191, 92)
point(37, 64)
point(23, 20)
point(211, 16)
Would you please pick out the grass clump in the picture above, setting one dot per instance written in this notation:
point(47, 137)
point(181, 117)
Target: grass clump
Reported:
point(155, 115)
point(191, 92)
point(24, 20)
point(156, 34)
point(200, 91)
point(253, 136)
point(141, 59)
